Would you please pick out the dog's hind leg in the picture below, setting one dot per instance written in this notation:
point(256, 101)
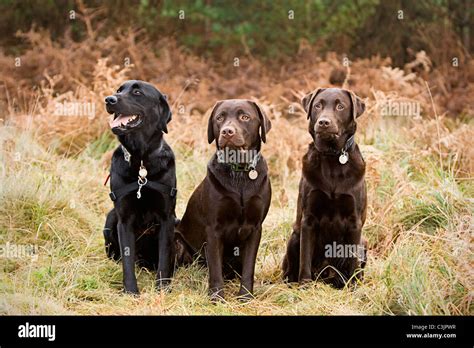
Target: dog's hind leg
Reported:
point(291, 262)
point(184, 252)
point(112, 247)
point(362, 256)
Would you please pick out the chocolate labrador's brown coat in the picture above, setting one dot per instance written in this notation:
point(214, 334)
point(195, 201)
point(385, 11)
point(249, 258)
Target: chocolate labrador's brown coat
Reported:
point(332, 198)
point(223, 218)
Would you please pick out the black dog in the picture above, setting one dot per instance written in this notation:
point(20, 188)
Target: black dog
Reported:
point(143, 183)
point(332, 201)
point(223, 219)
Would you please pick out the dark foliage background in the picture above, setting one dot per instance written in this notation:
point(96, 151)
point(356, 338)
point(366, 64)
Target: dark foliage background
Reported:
point(221, 29)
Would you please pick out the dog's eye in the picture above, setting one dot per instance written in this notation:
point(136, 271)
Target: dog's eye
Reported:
point(137, 92)
point(339, 107)
point(244, 117)
point(220, 118)
point(318, 105)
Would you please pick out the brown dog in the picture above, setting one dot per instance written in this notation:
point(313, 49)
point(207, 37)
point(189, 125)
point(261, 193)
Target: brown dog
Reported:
point(332, 201)
point(223, 218)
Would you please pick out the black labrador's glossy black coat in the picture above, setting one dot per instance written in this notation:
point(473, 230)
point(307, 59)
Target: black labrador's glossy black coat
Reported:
point(141, 230)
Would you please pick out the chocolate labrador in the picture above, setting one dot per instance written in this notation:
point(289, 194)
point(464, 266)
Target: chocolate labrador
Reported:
point(140, 227)
point(332, 201)
point(222, 223)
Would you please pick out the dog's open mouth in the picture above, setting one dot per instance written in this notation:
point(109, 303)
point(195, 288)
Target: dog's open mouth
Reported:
point(125, 121)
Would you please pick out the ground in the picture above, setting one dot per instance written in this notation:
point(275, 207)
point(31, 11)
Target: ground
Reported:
point(419, 228)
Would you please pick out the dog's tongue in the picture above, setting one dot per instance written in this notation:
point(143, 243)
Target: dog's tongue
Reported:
point(118, 121)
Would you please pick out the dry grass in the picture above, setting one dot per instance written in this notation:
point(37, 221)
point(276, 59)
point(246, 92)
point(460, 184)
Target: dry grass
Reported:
point(52, 170)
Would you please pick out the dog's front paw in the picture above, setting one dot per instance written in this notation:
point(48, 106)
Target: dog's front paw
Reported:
point(305, 283)
point(305, 280)
point(216, 295)
point(131, 291)
point(163, 284)
point(245, 295)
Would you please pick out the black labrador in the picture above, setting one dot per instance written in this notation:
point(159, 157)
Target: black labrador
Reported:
point(326, 241)
point(140, 227)
point(223, 220)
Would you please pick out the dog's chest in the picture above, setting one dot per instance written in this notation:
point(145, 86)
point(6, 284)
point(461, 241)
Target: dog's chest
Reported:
point(335, 180)
point(239, 216)
point(147, 210)
point(331, 207)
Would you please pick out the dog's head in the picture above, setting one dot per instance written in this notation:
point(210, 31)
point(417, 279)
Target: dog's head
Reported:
point(238, 124)
point(137, 105)
point(332, 113)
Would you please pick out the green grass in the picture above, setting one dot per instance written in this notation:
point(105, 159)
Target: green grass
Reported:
point(419, 228)
point(101, 145)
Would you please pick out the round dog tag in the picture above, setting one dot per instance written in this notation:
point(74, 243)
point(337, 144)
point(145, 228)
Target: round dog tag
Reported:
point(142, 172)
point(343, 158)
point(253, 174)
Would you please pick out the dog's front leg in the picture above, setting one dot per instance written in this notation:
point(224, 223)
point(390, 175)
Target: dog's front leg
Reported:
point(166, 252)
point(307, 240)
point(249, 255)
point(127, 250)
point(355, 261)
point(214, 257)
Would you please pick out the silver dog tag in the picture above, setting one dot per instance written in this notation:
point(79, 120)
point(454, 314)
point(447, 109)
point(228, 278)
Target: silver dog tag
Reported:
point(142, 172)
point(253, 174)
point(343, 158)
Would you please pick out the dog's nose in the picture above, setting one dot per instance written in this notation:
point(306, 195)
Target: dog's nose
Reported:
point(324, 122)
point(228, 132)
point(111, 100)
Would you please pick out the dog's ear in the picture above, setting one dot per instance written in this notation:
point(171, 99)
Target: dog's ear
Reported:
point(210, 126)
point(358, 105)
point(307, 101)
point(265, 124)
point(165, 115)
